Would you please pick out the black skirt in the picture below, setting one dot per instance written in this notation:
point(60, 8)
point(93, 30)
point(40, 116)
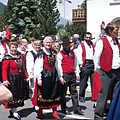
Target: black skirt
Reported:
point(48, 94)
point(16, 86)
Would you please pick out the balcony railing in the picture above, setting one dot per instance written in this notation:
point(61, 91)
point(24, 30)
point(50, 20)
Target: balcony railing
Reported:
point(78, 15)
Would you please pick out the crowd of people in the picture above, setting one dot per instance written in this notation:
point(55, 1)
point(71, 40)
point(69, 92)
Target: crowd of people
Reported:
point(42, 71)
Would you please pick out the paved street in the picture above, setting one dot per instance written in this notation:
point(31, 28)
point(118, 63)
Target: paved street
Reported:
point(27, 112)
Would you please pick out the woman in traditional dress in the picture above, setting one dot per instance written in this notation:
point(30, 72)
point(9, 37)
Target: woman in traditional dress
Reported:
point(56, 46)
point(13, 75)
point(46, 93)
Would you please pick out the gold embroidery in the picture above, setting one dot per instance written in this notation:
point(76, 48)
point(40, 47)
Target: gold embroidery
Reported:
point(19, 64)
point(40, 99)
point(51, 59)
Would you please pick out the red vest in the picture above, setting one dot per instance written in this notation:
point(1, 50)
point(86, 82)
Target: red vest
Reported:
point(107, 55)
point(68, 62)
point(84, 52)
point(46, 64)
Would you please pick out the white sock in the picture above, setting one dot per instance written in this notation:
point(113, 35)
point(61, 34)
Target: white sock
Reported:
point(14, 110)
point(36, 108)
point(15, 114)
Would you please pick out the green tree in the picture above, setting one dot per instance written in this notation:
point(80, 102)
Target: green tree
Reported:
point(84, 6)
point(7, 13)
point(32, 17)
point(76, 28)
point(70, 29)
point(2, 6)
point(23, 19)
point(48, 16)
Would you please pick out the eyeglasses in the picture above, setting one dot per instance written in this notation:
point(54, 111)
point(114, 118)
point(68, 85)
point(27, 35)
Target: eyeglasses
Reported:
point(48, 42)
point(56, 46)
point(72, 42)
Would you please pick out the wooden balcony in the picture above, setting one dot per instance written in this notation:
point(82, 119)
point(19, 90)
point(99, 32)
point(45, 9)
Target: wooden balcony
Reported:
point(78, 15)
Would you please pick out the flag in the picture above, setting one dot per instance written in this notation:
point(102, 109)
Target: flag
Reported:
point(60, 1)
point(68, 1)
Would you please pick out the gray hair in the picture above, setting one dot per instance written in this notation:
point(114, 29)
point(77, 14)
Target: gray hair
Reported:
point(46, 38)
point(76, 36)
point(37, 41)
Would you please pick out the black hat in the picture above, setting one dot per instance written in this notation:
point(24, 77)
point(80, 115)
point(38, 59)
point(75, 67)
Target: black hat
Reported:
point(65, 40)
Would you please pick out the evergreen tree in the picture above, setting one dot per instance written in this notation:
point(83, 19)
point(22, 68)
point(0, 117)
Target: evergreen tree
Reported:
point(23, 19)
point(48, 17)
point(7, 14)
point(84, 6)
point(76, 28)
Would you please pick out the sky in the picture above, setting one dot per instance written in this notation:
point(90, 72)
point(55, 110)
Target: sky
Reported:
point(65, 9)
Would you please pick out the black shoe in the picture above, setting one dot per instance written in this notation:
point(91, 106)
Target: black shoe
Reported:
point(11, 113)
point(17, 117)
point(94, 106)
point(64, 112)
point(12, 116)
point(40, 117)
point(82, 99)
point(78, 112)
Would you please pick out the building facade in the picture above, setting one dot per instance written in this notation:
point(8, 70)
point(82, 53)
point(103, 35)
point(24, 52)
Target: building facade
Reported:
point(78, 15)
point(102, 10)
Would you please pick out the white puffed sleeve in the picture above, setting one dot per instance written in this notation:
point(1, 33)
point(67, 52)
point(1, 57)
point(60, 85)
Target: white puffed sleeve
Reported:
point(38, 68)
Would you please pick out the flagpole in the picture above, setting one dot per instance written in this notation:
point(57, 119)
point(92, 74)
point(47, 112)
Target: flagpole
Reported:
point(64, 9)
point(64, 5)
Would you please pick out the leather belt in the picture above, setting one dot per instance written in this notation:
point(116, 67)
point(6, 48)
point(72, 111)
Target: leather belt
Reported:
point(88, 61)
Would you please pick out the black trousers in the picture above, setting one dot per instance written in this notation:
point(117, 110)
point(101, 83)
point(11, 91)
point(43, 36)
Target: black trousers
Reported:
point(86, 71)
point(109, 82)
point(71, 82)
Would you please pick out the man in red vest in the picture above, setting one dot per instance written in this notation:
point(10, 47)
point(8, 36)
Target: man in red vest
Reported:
point(107, 62)
point(68, 73)
point(85, 59)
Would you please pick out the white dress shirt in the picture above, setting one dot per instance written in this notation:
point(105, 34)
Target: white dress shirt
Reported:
point(3, 34)
point(30, 64)
point(98, 52)
point(2, 51)
point(59, 67)
point(89, 53)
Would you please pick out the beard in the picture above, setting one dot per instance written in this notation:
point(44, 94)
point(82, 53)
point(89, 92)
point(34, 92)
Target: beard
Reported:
point(88, 42)
point(67, 51)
